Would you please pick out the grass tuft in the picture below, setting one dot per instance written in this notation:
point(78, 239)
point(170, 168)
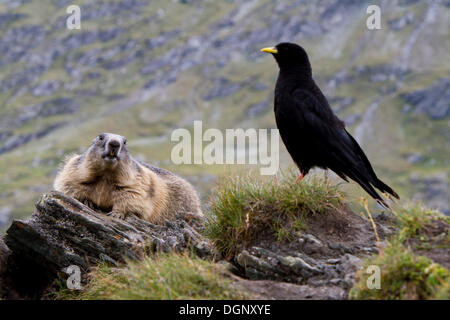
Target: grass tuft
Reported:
point(404, 276)
point(160, 277)
point(414, 217)
point(243, 207)
point(404, 273)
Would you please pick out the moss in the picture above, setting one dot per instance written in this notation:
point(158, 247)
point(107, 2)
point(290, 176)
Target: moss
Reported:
point(414, 218)
point(165, 276)
point(244, 207)
point(404, 275)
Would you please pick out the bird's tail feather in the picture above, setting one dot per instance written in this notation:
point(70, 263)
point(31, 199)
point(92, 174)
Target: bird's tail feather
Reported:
point(362, 181)
point(380, 185)
point(377, 183)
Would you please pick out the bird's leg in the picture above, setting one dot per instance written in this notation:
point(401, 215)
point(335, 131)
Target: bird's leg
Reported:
point(300, 177)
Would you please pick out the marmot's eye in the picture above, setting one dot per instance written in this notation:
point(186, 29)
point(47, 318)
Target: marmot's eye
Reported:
point(101, 137)
point(125, 141)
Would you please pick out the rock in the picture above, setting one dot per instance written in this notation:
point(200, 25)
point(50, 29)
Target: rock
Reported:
point(414, 158)
point(375, 73)
point(6, 291)
point(311, 244)
point(407, 2)
point(350, 263)
point(15, 43)
point(309, 238)
point(61, 3)
point(400, 23)
point(266, 289)
point(267, 264)
point(298, 265)
point(76, 40)
point(325, 257)
point(340, 247)
point(19, 140)
point(433, 101)
point(103, 9)
point(4, 252)
point(258, 86)
point(340, 103)
point(21, 77)
point(5, 214)
point(46, 88)
point(352, 119)
point(333, 261)
point(432, 190)
point(161, 39)
point(222, 87)
point(244, 259)
point(56, 106)
point(258, 108)
point(63, 105)
point(6, 18)
point(63, 232)
point(342, 77)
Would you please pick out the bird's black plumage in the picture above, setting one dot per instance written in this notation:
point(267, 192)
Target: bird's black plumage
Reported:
point(314, 136)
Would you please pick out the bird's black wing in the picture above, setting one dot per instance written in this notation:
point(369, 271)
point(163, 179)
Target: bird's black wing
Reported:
point(335, 148)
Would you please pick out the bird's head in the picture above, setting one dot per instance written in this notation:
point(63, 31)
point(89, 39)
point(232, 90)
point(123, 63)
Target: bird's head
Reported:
point(289, 56)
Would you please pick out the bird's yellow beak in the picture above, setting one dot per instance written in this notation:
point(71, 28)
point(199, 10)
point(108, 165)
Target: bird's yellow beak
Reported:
point(270, 50)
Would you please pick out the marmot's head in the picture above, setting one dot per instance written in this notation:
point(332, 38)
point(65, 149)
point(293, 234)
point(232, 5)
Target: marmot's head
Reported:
point(108, 150)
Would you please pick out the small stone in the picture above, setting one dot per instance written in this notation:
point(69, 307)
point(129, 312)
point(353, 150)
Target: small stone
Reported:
point(106, 258)
point(298, 264)
point(333, 261)
point(350, 263)
point(245, 259)
point(316, 282)
point(335, 281)
point(310, 238)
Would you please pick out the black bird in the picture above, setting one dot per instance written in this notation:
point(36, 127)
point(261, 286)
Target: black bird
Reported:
point(314, 136)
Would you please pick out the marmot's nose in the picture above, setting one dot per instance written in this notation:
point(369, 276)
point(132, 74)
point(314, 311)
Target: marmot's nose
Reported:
point(114, 144)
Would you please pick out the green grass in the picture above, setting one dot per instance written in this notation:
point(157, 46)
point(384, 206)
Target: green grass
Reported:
point(404, 273)
point(161, 277)
point(243, 207)
point(394, 132)
point(413, 218)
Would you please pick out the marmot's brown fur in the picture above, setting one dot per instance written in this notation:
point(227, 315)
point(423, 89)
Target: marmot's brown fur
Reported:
point(108, 178)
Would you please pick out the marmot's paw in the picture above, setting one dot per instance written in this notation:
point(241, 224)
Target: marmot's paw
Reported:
point(115, 214)
point(89, 204)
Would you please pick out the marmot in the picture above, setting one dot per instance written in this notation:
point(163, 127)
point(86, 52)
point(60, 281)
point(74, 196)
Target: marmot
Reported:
point(108, 178)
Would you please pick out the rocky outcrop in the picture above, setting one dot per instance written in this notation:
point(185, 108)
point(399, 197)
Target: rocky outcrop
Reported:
point(15, 141)
point(432, 190)
point(433, 101)
point(319, 264)
point(401, 22)
point(62, 232)
point(258, 108)
point(222, 88)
